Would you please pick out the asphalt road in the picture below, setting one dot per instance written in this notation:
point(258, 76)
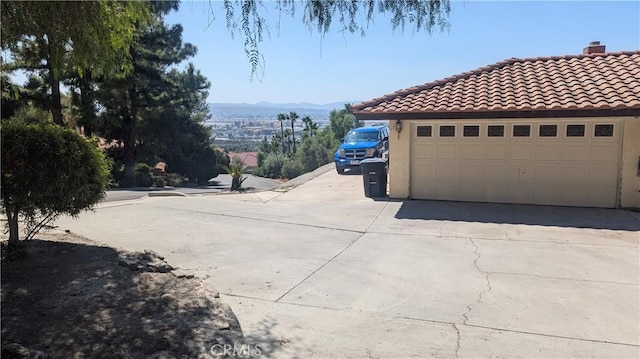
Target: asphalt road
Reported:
point(219, 184)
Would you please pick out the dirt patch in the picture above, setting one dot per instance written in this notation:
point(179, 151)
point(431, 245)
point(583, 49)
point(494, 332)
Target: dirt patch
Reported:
point(70, 298)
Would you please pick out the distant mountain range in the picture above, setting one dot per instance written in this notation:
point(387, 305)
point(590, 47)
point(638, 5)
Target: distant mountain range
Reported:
point(271, 110)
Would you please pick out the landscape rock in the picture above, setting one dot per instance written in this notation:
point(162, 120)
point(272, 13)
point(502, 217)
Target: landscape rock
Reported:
point(18, 351)
point(182, 274)
point(144, 262)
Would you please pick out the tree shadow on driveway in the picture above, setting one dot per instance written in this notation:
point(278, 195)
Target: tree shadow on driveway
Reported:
point(269, 345)
point(74, 300)
point(573, 217)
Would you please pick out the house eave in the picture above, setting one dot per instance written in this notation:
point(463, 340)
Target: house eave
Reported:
point(394, 115)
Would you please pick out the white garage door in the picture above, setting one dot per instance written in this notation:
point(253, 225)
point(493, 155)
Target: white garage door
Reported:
point(567, 163)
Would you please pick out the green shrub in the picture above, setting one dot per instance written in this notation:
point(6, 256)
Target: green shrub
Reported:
point(47, 171)
point(158, 181)
point(317, 151)
point(142, 174)
point(273, 164)
point(261, 157)
point(259, 171)
point(291, 169)
point(174, 179)
point(117, 173)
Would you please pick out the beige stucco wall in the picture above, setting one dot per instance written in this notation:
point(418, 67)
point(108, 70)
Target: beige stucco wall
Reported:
point(400, 154)
point(630, 173)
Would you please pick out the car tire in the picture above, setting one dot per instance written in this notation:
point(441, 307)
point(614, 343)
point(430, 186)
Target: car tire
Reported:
point(340, 170)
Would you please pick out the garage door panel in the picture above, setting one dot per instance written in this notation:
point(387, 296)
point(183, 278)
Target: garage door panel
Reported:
point(546, 194)
point(425, 151)
point(574, 195)
point(602, 174)
point(471, 151)
point(494, 192)
point(425, 189)
point(575, 153)
point(448, 170)
point(574, 175)
point(471, 191)
point(518, 172)
point(521, 152)
point(494, 172)
point(538, 170)
point(603, 152)
point(519, 192)
point(600, 196)
point(472, 171)
point(447, 191)
point(424, 169)
point(447, 151)
point(547, 174)
point(548, 152)
point(495, 152)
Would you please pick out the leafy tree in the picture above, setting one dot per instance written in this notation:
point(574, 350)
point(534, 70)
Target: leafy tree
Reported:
point(10, 97)
point(83, 100)
point(341, 122)
point(175, 131)
point(47, 171)
point(53, 36)
point(130, 98)
point(37, 56)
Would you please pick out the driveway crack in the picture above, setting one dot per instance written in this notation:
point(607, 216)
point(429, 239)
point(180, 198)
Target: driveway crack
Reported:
point(486, 278)
point(458, 339)
point(504, 231)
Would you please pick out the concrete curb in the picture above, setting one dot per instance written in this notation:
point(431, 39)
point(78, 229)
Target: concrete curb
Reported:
point(167, 194)
point(302, 179)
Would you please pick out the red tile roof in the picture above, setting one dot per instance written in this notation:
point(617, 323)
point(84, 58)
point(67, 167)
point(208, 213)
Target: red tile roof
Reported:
point(561, 84)
point(250, 159)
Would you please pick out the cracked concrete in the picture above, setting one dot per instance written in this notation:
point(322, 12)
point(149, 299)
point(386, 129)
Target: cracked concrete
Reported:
point(458, 339)
point(320, 271)
point(486, 277)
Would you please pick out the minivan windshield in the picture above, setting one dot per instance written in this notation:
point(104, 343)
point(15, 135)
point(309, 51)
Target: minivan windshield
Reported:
point(361, 136)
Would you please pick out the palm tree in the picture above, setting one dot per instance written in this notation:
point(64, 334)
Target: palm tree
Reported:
point(293, 116)
point(282, 117)
point(237, 170)
point(306, 120)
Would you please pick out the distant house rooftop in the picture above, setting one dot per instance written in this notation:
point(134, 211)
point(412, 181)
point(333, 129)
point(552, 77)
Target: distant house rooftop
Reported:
point(250, 159)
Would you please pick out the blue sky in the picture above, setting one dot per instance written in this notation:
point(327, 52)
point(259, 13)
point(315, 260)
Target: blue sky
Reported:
point(302, 66)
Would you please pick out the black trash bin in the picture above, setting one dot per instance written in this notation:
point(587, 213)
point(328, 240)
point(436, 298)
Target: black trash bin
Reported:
point(374, 177)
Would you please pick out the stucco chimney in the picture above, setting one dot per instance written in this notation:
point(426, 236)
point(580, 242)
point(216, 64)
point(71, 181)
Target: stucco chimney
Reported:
point(594, 48)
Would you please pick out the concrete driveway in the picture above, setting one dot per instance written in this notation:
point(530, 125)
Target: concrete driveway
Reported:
point(320, 271)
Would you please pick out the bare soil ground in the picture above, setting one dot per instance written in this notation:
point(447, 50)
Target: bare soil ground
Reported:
point(70, 298)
